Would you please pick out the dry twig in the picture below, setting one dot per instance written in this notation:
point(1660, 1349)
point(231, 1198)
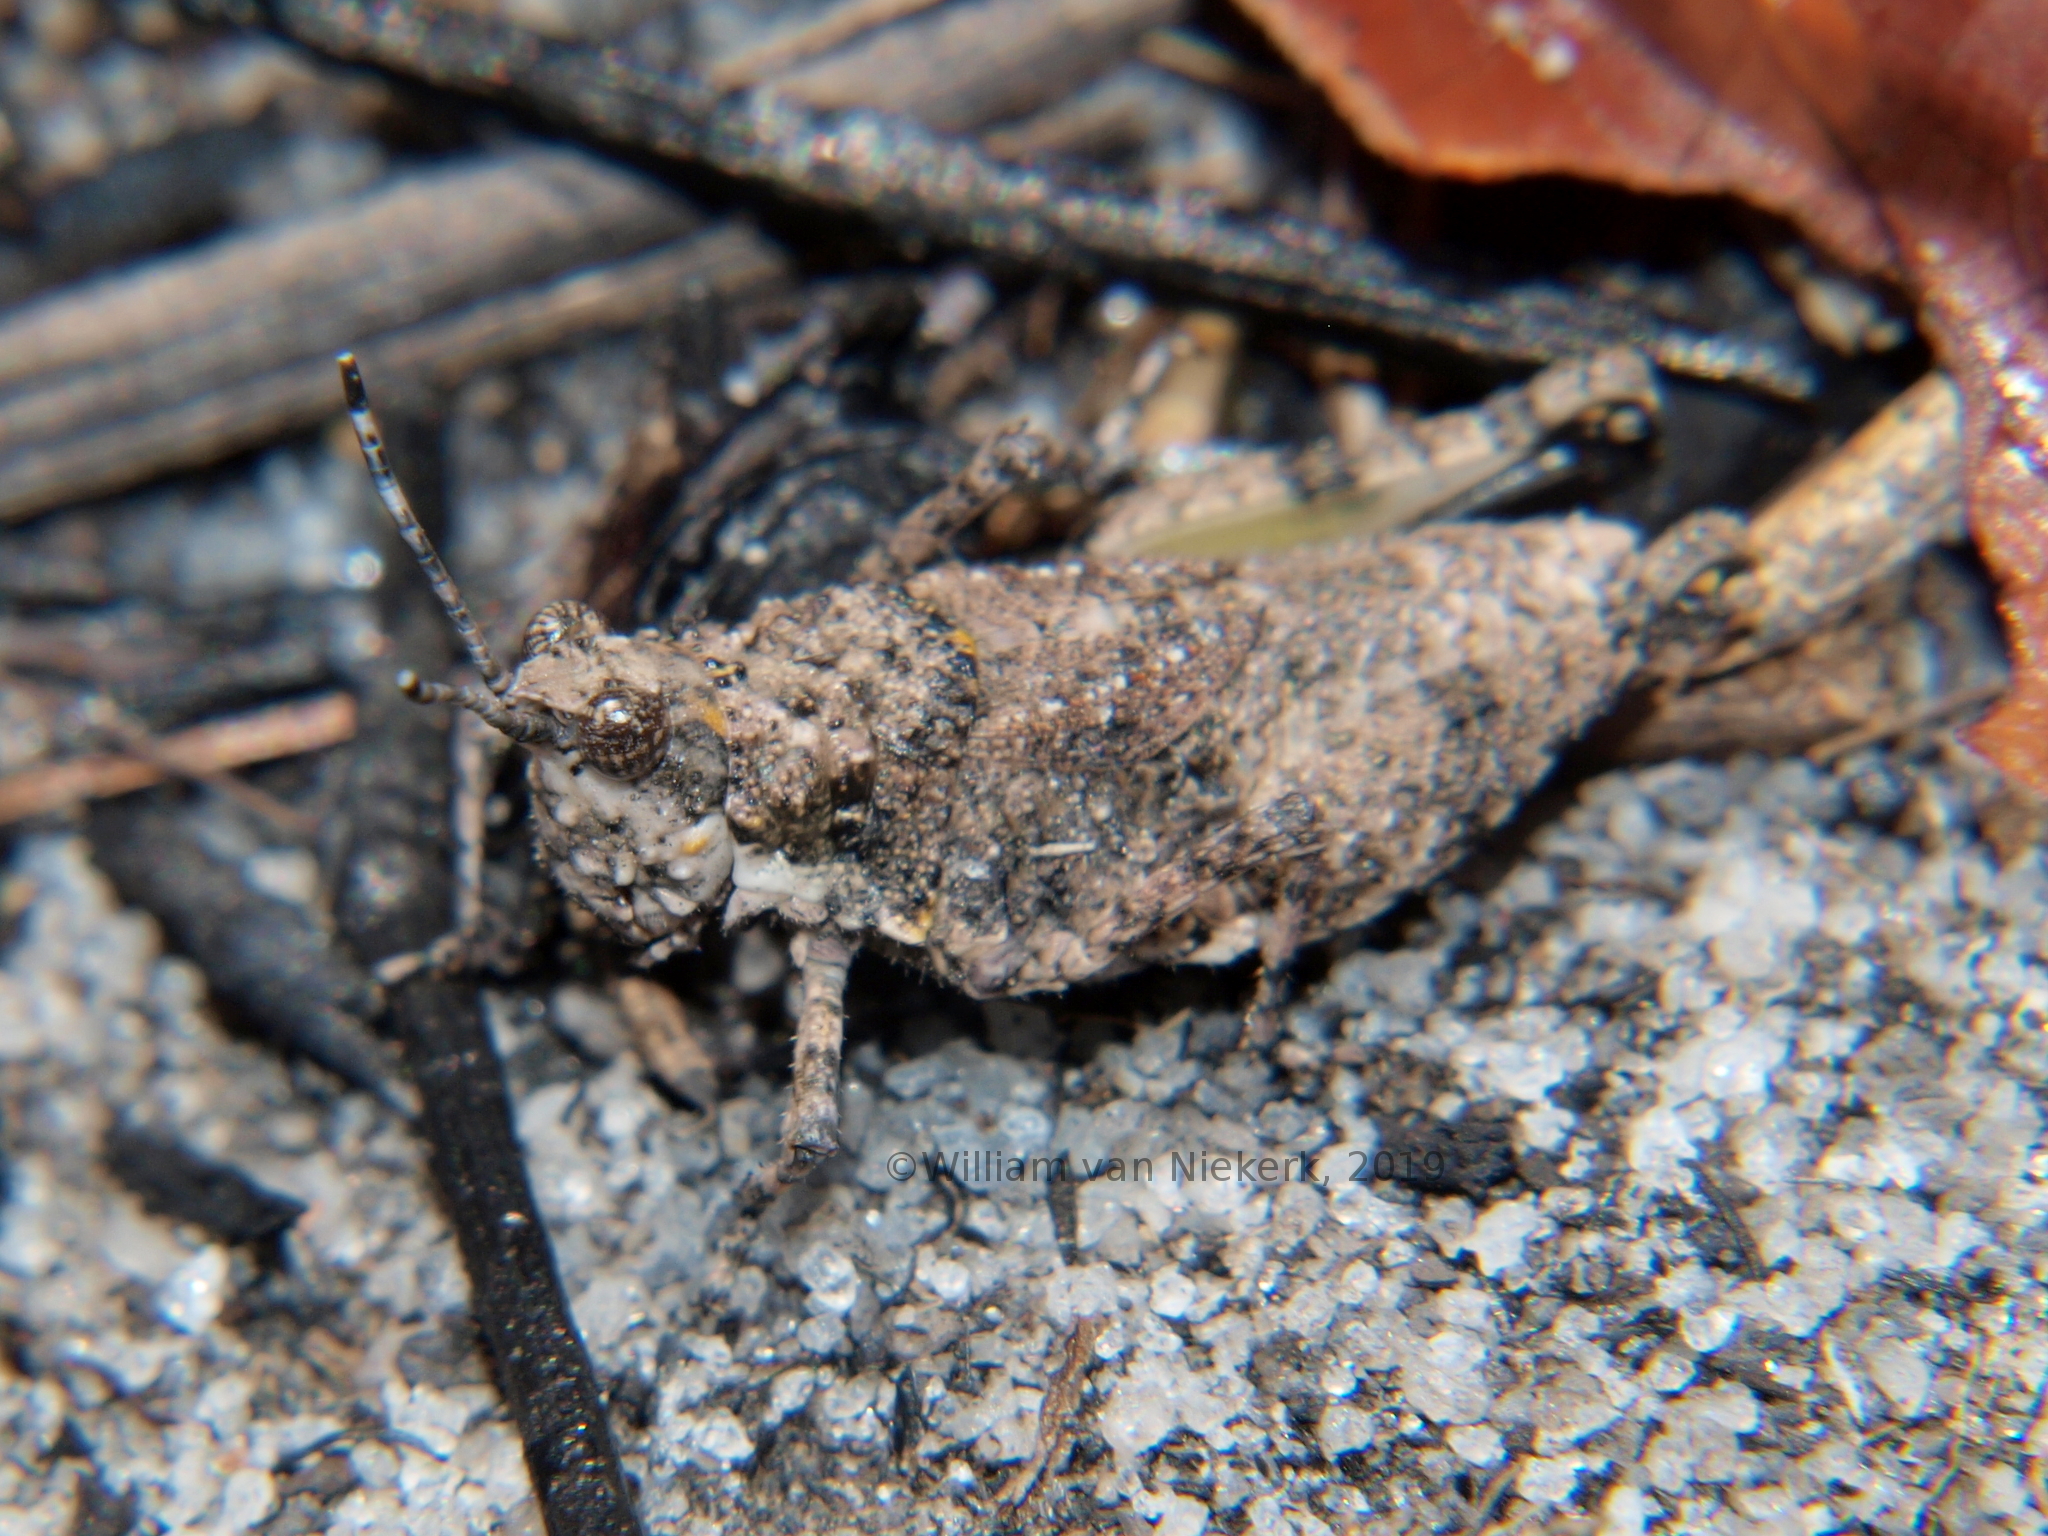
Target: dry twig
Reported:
point(280, 730)
point(185, 360)
point(1898, 722)
point(1056, 1411)
point(891, 169)
point(1865, 510)
point(842, 23)
point(668, 1046)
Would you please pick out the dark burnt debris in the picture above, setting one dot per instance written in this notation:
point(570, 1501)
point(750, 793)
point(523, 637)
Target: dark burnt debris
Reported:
point(177, 1182)
point(1041, 546)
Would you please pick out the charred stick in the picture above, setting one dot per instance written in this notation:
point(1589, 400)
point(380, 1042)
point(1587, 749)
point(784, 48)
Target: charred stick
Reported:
point(471, 763)
point(269, 958)
point(1063, 1199)
point(543, 1368)
point(173, 1180)
point(891, 169)
point(1729, 1214)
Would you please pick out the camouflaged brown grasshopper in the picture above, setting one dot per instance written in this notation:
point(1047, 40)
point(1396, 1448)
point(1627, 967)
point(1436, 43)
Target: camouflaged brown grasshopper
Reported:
point(1020, 777)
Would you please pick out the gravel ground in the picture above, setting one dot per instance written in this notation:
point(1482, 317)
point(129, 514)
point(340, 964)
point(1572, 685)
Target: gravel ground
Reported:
point(1715, 1205)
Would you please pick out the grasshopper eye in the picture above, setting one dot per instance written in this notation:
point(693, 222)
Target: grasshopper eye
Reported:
point(566, 622)
point(624, 733)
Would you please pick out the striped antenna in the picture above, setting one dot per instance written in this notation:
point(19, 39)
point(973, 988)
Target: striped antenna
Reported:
point(520, 724)
point(392, 494)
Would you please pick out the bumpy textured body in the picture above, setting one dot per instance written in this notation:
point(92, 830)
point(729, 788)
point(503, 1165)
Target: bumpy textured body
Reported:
point(1022, 778)
point(1027, 777)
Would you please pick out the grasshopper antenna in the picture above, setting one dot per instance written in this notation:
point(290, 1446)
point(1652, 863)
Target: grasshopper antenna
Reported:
point(519, 724)
point(392, 494)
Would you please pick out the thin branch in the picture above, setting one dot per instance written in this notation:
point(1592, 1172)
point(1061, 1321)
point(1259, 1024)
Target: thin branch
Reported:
point(1898, 722)
point(842, 23)
point(203, 752)
point(1056, 1411)
point(85, 451)
point(895, 171)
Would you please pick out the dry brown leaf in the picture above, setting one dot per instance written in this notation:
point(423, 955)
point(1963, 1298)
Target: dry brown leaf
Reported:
point(1907, 138)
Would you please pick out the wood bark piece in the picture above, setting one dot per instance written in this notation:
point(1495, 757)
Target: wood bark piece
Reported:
point(199, 356)
point(283, 730)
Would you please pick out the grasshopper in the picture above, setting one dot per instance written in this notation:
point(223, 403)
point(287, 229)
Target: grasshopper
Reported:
point(1022, 777)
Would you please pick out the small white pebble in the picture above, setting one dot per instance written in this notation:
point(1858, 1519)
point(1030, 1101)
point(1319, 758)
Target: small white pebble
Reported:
point(830, 1277)
point(1171, 1514)
point(248, 1499)
point(716, 1438)
point(949, 1280)
point(1500, 1236)
point(1444, 1380)
point(1478, 1445)
point(1173, 1294)
point(192, 1295)
point(1625, 1513)
point(1553, 1479)
point(1667, 1373)
point(823, 1335)
point(2000, 1493)
point(1706, 1331)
